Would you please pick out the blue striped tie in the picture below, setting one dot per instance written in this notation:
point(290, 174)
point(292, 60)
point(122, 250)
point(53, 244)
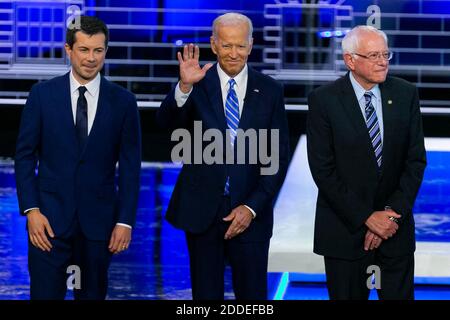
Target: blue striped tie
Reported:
point(374, 128)
point(232, 115)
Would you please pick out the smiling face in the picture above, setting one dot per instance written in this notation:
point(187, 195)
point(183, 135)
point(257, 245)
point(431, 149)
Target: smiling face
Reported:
point(87, 56)
point(368, 73)
point(232, 47)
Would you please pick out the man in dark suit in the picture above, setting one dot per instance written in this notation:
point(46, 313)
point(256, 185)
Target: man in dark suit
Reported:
point(226, 210)
point(77, 127)
point(367, 157)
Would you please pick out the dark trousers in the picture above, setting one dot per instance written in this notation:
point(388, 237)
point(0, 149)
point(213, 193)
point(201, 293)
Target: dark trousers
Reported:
point(48, 270)
point(347, 279)
point(208, 253)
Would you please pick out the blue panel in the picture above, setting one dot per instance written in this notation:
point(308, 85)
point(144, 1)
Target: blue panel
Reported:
point(433, 201)
point(420, 24)
point(46, 14)
point(22, 14)
point(58, 35)
point(58, 52)
point(58, 15)
point(22, 52)
point(35, 15)
point(22, 34)
point(46, 34)
point(34, 52)
point(34, 34)
point(436, 7)
point(418, 58)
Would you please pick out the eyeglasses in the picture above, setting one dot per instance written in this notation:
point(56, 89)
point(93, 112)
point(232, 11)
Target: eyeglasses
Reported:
point(375, 56)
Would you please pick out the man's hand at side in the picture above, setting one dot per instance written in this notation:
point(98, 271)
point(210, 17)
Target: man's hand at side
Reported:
point(38, 228)
point(241, 218)
point(120, 239)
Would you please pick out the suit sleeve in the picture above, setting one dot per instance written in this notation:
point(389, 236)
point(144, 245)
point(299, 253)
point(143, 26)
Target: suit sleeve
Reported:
point(26, 157)
point(170, 116)
point(269, 185)
point(129, 165)
point(402, 200)
point(350, 209)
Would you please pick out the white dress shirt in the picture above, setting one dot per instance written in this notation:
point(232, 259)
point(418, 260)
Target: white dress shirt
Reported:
point(240, 88)
point(92, 93)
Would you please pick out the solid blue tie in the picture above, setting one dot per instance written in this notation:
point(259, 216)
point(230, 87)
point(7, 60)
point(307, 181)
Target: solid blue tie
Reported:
point(81, 118)
point(374, 128)
point(232, 116)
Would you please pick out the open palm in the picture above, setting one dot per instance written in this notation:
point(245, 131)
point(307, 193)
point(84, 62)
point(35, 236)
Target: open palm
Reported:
point(190, 70)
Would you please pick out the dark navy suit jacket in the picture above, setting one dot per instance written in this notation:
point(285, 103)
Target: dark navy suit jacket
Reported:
point(200, 187)
point(71, 181)
point(344, 167)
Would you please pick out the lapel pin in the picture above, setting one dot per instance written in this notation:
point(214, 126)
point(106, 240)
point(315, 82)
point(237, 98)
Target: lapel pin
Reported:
point(389, 101)
point(256, 90)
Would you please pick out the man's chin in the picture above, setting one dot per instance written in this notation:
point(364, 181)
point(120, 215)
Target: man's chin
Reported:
point(380, 79)
point(234, 71)
point(89, 75)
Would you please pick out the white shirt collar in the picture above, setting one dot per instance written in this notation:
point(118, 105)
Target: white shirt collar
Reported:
point(92, 86)
point(240, 78)
point(360, 91)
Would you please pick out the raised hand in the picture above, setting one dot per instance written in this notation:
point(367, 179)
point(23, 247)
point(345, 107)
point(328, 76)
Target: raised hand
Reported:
point(190, 70)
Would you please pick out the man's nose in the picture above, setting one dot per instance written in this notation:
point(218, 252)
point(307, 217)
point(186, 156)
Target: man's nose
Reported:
point(233, 52)
point(383, 62)
point(91, 56)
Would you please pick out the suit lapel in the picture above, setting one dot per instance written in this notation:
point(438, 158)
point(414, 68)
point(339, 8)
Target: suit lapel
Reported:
point(388, 127)
point(250, 100)
point(351, 106)
point(353, 110)
point(63, 102)
point(214, 94)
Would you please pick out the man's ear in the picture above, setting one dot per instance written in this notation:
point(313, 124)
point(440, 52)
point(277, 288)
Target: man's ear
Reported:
point(68, 49)
point(250, 46)
point(349, 61)
point(213, 44)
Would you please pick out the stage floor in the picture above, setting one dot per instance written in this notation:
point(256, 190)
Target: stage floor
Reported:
point(156, 266)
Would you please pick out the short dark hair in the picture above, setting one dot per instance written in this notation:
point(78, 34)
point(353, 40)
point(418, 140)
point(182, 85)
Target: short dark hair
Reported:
point(89, 25)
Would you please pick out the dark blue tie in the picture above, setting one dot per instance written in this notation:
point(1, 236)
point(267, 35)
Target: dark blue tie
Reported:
point(232, 115)
point(82, 119)
point(374, 128)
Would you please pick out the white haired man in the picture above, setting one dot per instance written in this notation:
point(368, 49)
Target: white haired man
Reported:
point(367, 157)
point(226, 209)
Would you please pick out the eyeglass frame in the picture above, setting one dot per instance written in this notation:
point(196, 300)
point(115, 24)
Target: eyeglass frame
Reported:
point(379, 55)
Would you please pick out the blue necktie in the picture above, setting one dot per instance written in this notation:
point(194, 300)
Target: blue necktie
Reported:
point(374, 128)
point(232, 115)
point(81, 119)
